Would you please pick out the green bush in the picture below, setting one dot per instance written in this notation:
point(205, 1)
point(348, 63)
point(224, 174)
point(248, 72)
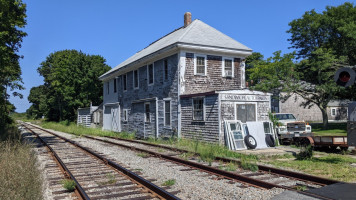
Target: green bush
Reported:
point(68, 184)
point(305, 153)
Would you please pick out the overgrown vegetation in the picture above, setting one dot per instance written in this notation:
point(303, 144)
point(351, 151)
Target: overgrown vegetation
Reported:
point(305, 153)
point(19, 175)
point(68, 184)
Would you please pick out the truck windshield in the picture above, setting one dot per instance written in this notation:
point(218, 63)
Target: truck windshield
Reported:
point(285, 117)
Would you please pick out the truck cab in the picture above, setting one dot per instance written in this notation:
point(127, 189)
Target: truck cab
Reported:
point(289, 127)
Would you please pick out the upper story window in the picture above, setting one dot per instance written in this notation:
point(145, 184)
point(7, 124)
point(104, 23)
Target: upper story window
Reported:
point(198, 109)
point(165, 69)
point(135, 79)
point(150, 74)
point(228, 67)
point(124, 82)
point(115, 86)
point(200, 65)
point(107, 87)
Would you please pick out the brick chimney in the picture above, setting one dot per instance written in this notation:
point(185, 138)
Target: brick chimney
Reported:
point(187, 19)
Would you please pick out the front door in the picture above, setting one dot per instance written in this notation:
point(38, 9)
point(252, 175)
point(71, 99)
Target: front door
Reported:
point(246, 112)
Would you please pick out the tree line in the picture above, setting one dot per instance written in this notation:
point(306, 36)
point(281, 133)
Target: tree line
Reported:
point(324, 42)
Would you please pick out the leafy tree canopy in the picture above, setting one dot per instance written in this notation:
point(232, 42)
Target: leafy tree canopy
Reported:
point(12, 20)
point(334, 28)
point(70, 81)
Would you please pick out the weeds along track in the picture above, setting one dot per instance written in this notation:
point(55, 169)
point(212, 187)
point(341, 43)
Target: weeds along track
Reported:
point(264, 178)
point(97, 177)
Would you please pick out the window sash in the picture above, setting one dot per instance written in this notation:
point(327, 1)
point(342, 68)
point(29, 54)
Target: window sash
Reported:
point(124, 80)
point(167, 113)
point(135, 73)
point(115, 86)
point(147, 112)
point(200, 65)
point(198, 109)
point(150, 74)
point(165, 69)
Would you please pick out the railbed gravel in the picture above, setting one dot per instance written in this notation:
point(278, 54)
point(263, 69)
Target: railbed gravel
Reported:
point(190, 184)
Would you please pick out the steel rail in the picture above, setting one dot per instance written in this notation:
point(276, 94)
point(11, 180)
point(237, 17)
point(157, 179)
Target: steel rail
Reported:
point(152, 187)
point(290, 174)
point(79, 189)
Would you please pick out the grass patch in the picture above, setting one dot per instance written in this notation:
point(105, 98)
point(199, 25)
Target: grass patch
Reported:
point(143, 155)
point(19, 175)
point(110, 180)
point(305, 153)
point(334, 129)
point(330, 166)
point(169, 182)
point(68, 184)
point(72, 128)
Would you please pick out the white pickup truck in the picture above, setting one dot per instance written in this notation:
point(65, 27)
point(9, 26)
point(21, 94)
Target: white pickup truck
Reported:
point(289, 127)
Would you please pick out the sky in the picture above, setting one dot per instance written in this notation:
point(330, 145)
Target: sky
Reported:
point(117, 29)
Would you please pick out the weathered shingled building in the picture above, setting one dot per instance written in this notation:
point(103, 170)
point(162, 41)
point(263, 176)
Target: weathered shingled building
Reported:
point(184, 84)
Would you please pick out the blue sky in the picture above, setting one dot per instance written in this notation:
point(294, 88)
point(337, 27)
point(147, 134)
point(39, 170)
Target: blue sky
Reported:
point(118, 29)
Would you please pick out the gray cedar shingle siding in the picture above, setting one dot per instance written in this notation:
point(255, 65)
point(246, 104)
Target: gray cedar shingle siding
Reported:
point(162, 88)
point(213, 80)
point(207, 130)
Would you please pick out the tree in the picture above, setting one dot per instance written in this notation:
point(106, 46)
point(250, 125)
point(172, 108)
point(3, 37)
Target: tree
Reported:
point(334, 29)
point(70, 81)
point(12, 20)
point(311, 78)
point(38, 99)
point(251, 61)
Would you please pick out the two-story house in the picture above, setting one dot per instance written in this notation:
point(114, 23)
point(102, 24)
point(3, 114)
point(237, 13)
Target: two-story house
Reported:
point(184, 84)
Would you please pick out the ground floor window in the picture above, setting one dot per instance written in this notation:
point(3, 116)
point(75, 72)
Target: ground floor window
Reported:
point(246, 112)
point(126, 115)
point(167, 113)
point(147, 112)
point(333, 111)
point(198, 109)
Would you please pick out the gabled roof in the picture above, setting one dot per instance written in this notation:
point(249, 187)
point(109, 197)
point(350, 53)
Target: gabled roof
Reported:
point(197, 33)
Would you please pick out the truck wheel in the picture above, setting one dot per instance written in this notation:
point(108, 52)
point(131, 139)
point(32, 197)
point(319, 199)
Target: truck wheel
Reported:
point(250, 142)
point(270, 140)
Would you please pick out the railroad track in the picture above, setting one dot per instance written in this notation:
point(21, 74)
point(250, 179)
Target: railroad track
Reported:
point(266, 177)
point(95, 176)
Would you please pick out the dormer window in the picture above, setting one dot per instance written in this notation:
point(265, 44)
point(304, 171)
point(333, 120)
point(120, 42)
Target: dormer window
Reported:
point(200, 65)
point(228, 67)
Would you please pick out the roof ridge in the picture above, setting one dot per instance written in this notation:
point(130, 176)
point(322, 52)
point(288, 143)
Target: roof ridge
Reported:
point(189, 28)
point(161, 38)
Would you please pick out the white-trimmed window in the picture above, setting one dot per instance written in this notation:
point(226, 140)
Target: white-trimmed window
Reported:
point(147, 112)
point(228, 67)
point(124, 82)
point(333, 111)
point(200, 65)
point(165, 69)
point(198, 109)
point(150, 74)
point(126, 115)
point(167, 113)
point(136, 80)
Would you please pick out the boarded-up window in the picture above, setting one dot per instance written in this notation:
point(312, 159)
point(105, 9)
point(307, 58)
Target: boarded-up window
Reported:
point(150, 74)
point(167, 113)
point(198, 109)
point(135, 78)
point(147, 112)
point(200, 65)
point(126, 115)
point(246, 112)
